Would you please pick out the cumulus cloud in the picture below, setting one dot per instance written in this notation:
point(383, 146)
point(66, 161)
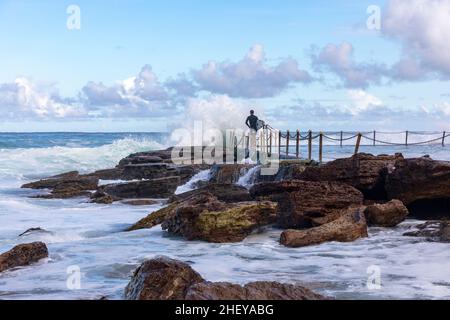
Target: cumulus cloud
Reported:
point(24, 99)
point(251, 77)
point(339, 59)
point(423, 29)
point(141, 91)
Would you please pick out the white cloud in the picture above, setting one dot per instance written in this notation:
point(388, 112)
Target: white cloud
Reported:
point(252, 77)
point(362, 100)
point(26, 99)
point(423, 28)
point(339, 59)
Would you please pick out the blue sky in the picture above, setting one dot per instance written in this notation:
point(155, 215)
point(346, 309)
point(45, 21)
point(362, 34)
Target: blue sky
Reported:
point(315, 64)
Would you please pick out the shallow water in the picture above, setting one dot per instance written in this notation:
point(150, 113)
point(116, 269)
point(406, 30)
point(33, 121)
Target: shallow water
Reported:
point(90, 236)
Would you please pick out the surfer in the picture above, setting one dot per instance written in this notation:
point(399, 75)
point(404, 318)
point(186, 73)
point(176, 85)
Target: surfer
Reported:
point(252, 121)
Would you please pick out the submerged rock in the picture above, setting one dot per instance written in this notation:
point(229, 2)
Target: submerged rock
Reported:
point(101, 197)
point(224, 192)
point(438, 231)
point(304, 204)
point(33, 231)
point(140, 202)
point(204, 217)
point(166, 279)
point(349, 227)
point(23, 255)
point(386, 215)
point(161, 279)
point(156, 188)
point(365, 172)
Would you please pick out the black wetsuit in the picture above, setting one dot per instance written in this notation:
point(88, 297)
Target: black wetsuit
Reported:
point(252, 122)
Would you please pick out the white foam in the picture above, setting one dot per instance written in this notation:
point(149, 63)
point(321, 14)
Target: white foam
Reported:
point(191, 184)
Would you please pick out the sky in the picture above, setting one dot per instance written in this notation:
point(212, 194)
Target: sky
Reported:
point(141, 65)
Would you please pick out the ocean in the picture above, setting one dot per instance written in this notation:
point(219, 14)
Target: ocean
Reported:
point(89, 236)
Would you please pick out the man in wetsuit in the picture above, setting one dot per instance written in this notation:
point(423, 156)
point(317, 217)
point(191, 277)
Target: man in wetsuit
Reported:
point(252, 121)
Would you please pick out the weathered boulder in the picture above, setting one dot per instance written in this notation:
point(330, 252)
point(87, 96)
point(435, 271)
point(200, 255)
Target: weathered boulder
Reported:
point(438, 231)
point(224, 192)
point(161, 279)
point(288, 170)
point(23, 255)
point(386, 215)
point(252, 291)
point(148, 171)
point(365, 172)
point(166, 279)
point(154, 218)
point(204, 217)
point(156, 188)
point(419, 179)
point(303, 204)
point(349, 227)
point(66, 185)
point(228, 173)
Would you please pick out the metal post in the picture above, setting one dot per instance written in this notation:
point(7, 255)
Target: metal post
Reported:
point(320, 147)
point(309, 145)
point(287, 144)
point(443, 139)
point(374, 137)
point(297, 146)
point(342, 136)
point(279, 144)
point(406, 138)
point(358, 142)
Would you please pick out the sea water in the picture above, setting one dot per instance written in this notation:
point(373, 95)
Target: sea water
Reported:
point(90, 237)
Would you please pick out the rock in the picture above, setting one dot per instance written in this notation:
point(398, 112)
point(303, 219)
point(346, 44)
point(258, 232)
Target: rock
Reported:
point(154, 219)
point(228, 173)
point(304, 204)
point(224, 192)
point(147, 157)
point(108, 174)
point(438, 231)
point(166, 279)
point(64, 186)
point(252, 291)
point(419, 179)
point(365, 172)
point(386, 215)
point(148, 171)
point(349, 227)
point(156, 188)
point(33, 231)
point(289, 170)
point(23, 255)
point(161, 279)
point(101, 197)
point(140, 202)
point(204, 217)
point(52, 182)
